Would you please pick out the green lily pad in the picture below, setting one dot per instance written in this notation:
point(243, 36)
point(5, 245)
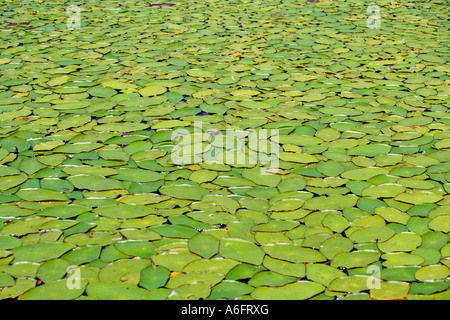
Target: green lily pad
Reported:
point(399, 273)
point(322, 274)
point(120, 127)
point(390, 290)
point(418, 197)
point(22, 285)
point(370, 150)
point(372, 234)
point(194, 276)
point(52, 270)
point(173, 260)
point(363, 173)
point(195, 291)
point(299, 290)
point(386, 190)
point(336, 223)
point(115, 291)
point(21, 269)
point(175, 231)
point(352, 284)
point(405, 241)
point(57, 290)
point(330, 168)
point(440, 223)
point(41, 251)
point(95, 183)
point(401, 259)
point(355, 259)
point(256, 176)
point(219, 265)
point(293, 253)
point(184, 191)
point(229, 289)
point(83, 254)
point(89, 170)
point(124, 211)
point(8, 242)
point(64, 212)
point(34, 194)
point(136, 248)
point(332, 246)
point(7, 281)
point(392, 215)
point(102, 92)
point(427, 288)
point(270, 278)
point(204, 245)
point(336, 202)
point(11, 181)
point(117, 270)
point(291, 184)
point(432, 272)
point(241, 250)
point(153, 278)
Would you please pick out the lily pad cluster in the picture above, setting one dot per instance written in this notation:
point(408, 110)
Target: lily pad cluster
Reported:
point(93, 207)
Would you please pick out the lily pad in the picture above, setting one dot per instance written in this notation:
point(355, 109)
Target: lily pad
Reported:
point(124, 211)
point(432, 272)
point(57, 290)
point(205, 245)
point(293, 253)
point(41, 251)
point(184, 191)
point(355, 259)
point(405, 241)
point(390, 290)
point(115, 291)
point(241, 250)
point(299, 290)
point(95, 183)
point(229, 289)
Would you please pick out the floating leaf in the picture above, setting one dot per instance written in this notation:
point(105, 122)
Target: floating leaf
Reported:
point(124, 211)
point(418, 197)
point(332, 246)
point(52, 270)
point(115, 291)
point(8, 242)
point(205, 245)
point(195, 291)
point(370, 150)
point(352, 284)
point(432, 272)
point(322, 274)
point(293, 253)
point(405, 241)
point(96, 183)
point(372, 234)
point(229, 289)
point(241, 250)
point(153, 278)
point(41, 251)
point(184, 191)
point(390, 290)
point(337, 202)
point(299, 290)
